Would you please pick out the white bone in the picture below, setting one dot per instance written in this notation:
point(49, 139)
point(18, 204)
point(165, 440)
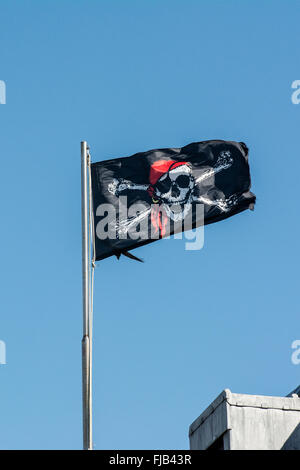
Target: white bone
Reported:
point(121, 185)
point(224, 161)
point(124, 226)
point(223, 204)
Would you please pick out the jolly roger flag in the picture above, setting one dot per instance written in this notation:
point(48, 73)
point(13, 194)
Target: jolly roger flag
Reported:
point(153, 194)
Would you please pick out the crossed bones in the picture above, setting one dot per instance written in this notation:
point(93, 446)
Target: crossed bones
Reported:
point(191, 194)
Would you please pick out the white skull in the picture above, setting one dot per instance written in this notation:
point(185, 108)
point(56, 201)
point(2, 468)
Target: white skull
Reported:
point(174, 191)
point(175, 186)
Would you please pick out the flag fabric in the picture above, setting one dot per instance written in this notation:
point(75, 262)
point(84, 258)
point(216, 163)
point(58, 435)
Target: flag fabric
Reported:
point(150, 195)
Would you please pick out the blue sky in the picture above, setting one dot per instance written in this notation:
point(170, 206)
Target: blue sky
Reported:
point(169, 335)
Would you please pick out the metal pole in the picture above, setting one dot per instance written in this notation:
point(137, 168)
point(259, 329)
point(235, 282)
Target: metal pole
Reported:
point(86, 346)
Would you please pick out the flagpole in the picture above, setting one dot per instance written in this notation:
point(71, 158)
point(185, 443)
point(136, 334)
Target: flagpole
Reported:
point(86, 346)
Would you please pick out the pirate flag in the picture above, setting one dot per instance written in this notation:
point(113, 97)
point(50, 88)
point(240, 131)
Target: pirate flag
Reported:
point(150, 195)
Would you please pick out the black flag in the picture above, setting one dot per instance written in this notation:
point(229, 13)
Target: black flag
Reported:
point(150, 195)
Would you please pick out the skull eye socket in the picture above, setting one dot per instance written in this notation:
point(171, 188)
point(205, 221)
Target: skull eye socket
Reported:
point(164, 185)
point(183, 181)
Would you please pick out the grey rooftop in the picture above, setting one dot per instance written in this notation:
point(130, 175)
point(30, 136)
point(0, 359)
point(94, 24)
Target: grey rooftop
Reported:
point(239, 421)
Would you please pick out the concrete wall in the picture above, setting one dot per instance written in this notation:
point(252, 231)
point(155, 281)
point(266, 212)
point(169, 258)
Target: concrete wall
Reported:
point(248, 422)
